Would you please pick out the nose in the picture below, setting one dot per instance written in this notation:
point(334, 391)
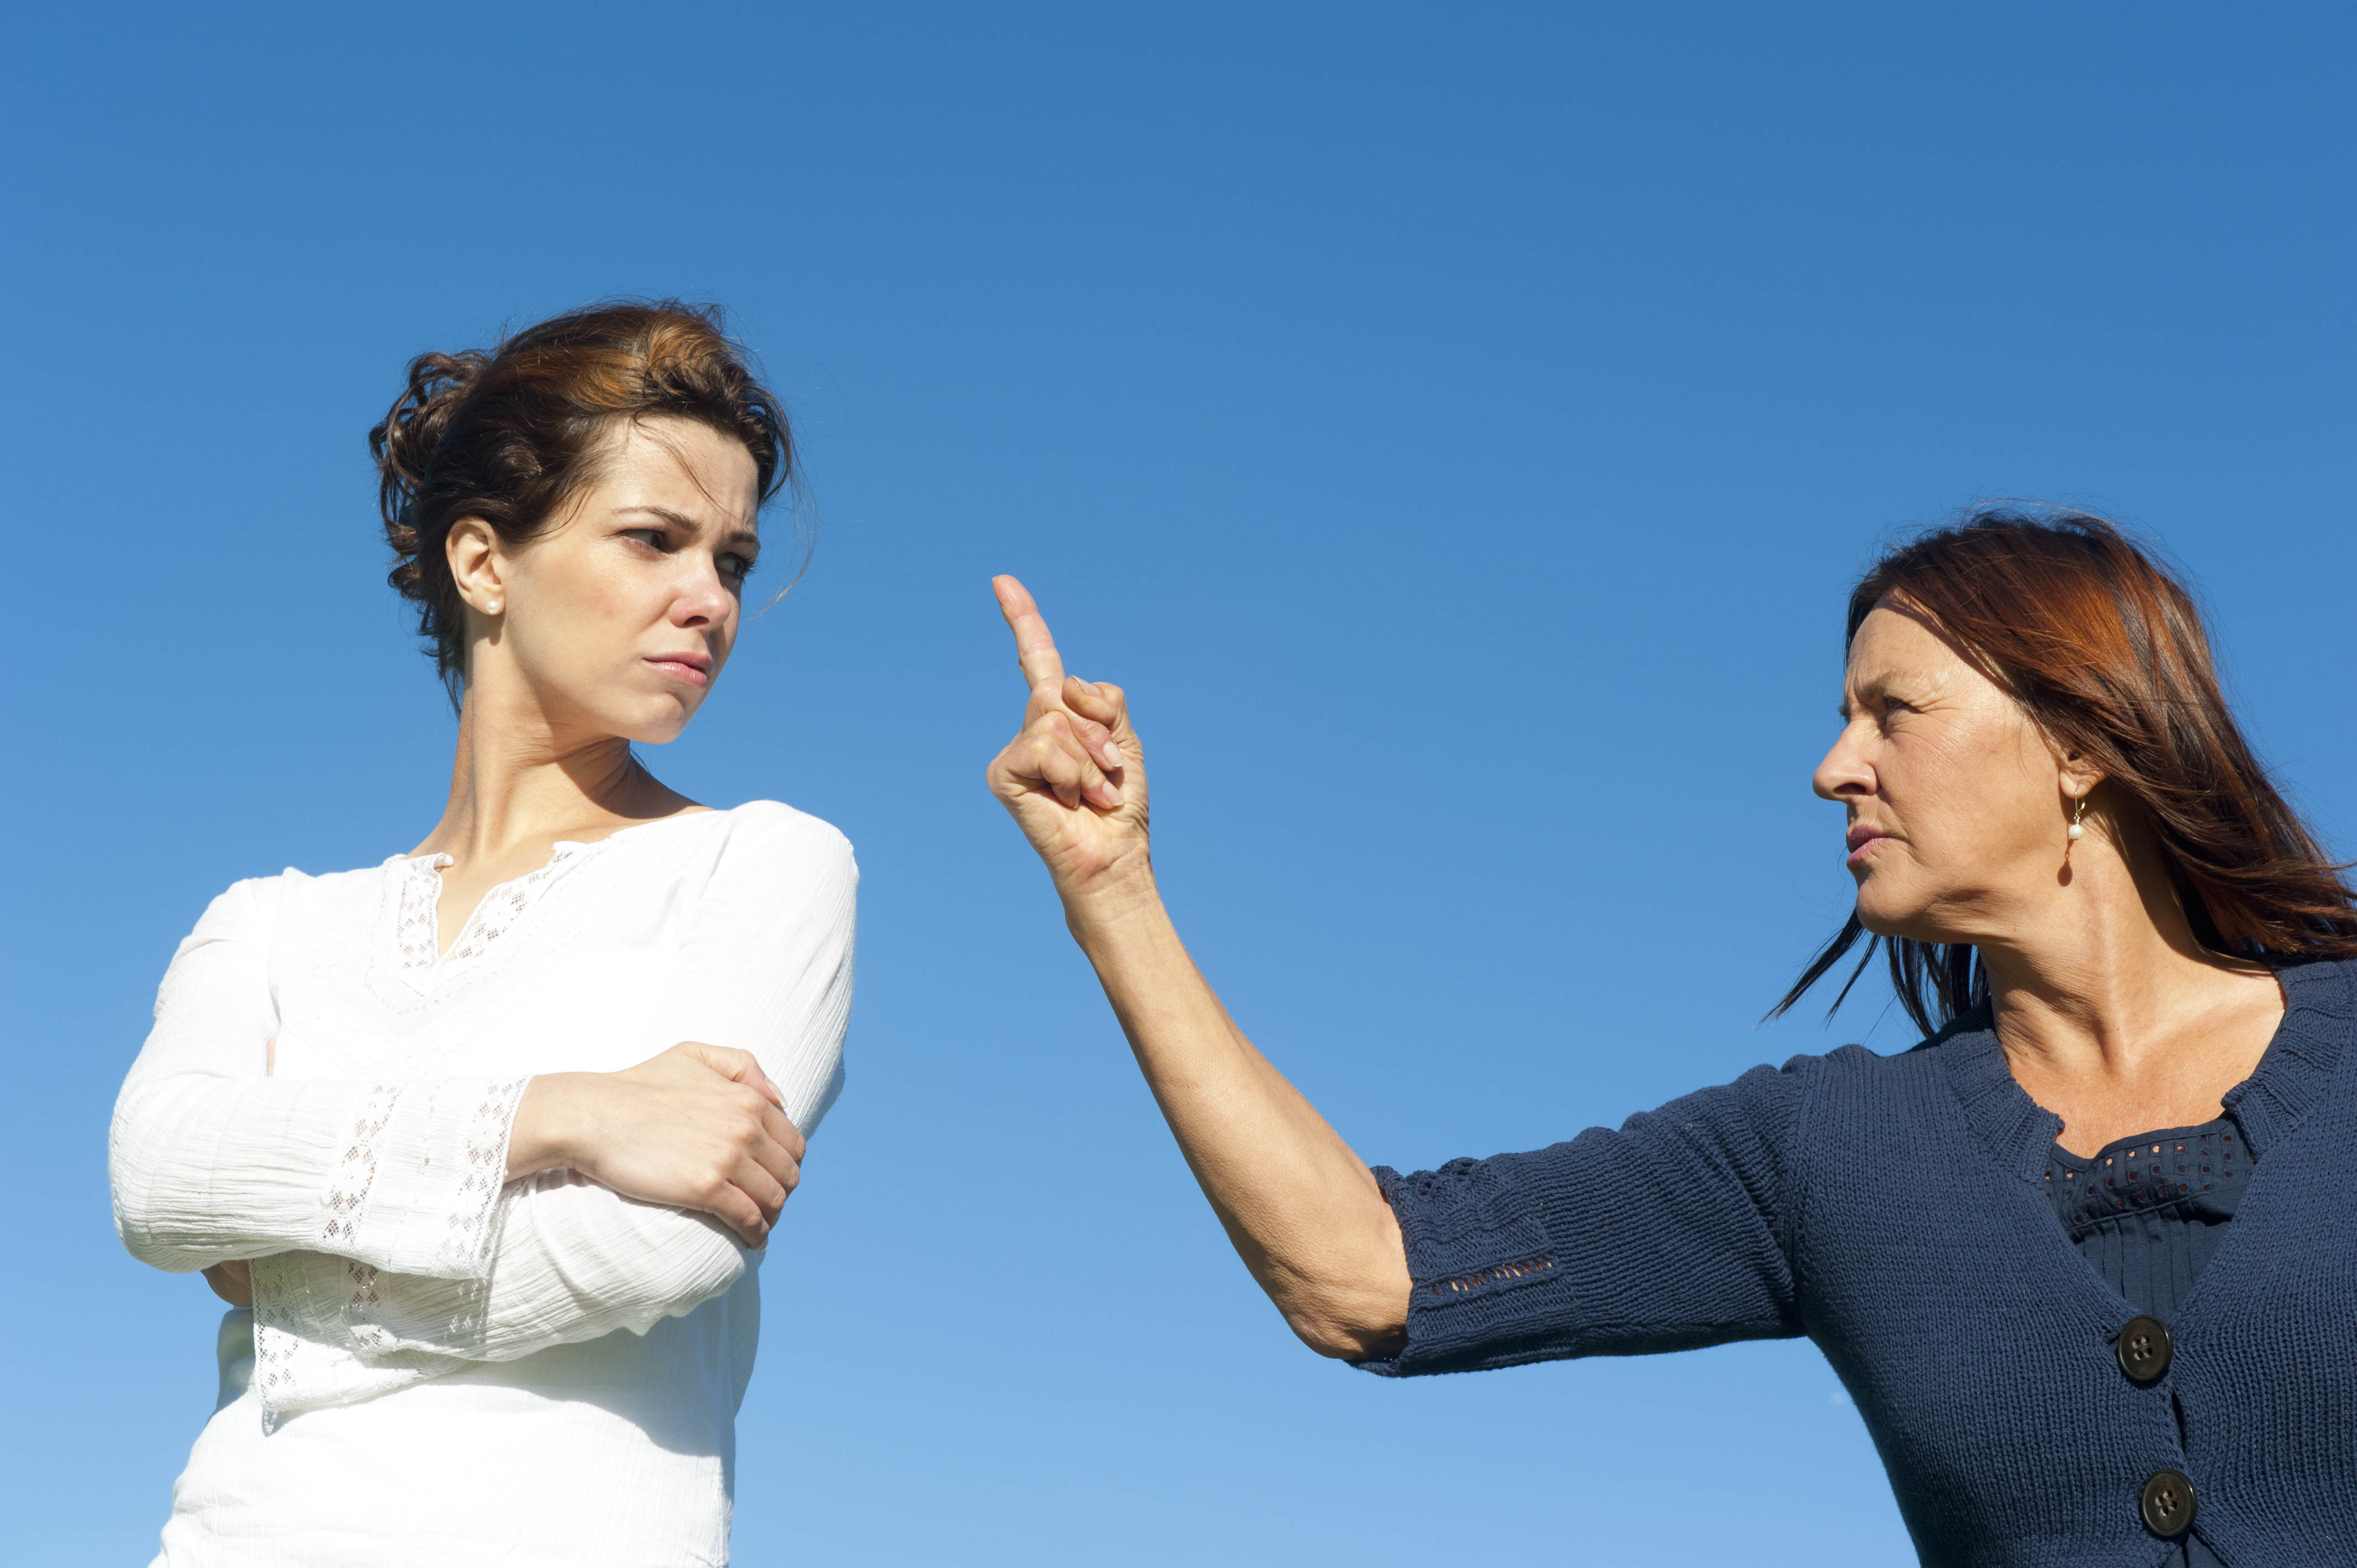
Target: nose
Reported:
point(1845, 774)
point(702, 599)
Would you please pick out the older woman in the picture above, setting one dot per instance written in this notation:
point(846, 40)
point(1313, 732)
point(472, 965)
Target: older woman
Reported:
point(483, 1140)
point(2085, 1258)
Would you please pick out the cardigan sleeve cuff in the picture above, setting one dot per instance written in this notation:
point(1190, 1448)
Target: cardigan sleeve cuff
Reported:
point(1489, 1288)
point(417, 1189)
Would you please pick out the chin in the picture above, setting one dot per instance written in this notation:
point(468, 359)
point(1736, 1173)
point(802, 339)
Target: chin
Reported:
point(1877, 916)
point(642, 726)
point(647, 718)
point(662, 733)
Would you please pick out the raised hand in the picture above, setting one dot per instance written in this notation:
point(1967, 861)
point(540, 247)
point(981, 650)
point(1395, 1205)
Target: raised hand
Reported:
point(1304, 1211)
point(1074, 777)
point(697, 1127)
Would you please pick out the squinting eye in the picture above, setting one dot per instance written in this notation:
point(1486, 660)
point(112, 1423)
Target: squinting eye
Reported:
point(649, 537)
point(736, 566)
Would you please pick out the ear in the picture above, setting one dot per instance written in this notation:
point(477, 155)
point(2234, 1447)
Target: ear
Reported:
point(476, 565)
point(2078, 775)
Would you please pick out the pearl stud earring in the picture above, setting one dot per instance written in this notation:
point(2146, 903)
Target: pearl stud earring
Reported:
point(2078, 809)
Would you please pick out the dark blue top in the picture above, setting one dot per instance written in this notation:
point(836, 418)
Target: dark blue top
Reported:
point(1968, 1326)
point(2147, 1213)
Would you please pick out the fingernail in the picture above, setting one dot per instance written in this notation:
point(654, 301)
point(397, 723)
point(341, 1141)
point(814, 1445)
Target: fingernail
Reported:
point(1112, 793)
point(1113, 757)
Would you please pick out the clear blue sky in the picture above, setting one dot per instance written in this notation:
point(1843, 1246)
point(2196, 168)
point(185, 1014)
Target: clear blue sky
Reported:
point(1456, 425)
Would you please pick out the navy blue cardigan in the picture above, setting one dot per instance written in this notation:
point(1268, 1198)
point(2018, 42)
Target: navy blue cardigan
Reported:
point(1977, 1343)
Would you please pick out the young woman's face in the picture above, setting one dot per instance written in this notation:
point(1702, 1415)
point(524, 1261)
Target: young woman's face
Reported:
point(619, 618)
point(1958, 812)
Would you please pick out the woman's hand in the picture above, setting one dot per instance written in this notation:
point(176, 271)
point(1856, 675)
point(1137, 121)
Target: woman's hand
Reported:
point(698, 1127)
point(1304, 1212)
point(232, 1282)
point(1074, 777)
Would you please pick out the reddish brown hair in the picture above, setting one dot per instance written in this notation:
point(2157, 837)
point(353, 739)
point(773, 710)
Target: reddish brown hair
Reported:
point(2105, 652)
point(510, 434)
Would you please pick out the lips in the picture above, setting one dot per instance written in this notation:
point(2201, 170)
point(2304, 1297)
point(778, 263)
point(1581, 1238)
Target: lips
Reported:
point(1862, 840)
point(687, 669)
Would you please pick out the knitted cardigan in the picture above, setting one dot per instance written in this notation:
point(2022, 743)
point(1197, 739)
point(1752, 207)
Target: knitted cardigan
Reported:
point(1977, 1343)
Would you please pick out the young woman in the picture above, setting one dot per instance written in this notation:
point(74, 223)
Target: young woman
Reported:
point(2085, 1259)
point(484, 1142)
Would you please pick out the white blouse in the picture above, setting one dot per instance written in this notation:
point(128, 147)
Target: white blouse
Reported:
point(439, 1365)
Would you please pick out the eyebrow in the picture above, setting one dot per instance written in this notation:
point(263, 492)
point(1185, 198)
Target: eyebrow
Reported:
point(679, 520)
point(1880, 683)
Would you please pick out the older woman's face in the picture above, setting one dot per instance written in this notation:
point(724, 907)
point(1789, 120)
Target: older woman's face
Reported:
point(620, 619)
point(1956, 809)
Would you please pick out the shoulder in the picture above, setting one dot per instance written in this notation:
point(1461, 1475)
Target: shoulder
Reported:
point(2324, 985)
point(250, 908)
point(1854, 1071)
point(772, 835)
point(763, 861)
point(1842, 1067)
point(245, 907)
point(1845, 1080)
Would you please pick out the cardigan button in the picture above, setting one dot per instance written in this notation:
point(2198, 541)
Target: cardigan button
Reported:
point(2168, 1503)
point(2144, 1350)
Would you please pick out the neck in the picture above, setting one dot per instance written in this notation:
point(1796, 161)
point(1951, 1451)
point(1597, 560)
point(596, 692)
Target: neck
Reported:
point(2107, 976)
point(519, 782)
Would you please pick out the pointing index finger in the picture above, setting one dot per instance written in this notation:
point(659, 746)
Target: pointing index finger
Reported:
point(1035, 649)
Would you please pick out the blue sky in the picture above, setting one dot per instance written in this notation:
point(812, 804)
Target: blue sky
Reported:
point(1456, 426)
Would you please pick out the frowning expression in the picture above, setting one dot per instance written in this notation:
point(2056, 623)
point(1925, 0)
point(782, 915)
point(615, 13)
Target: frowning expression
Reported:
point(619, 618)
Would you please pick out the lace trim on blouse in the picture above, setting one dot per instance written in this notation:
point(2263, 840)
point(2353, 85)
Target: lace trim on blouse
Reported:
point(473, 1233)
point(307, 1302)
point(348, 1189)
point(419, 931)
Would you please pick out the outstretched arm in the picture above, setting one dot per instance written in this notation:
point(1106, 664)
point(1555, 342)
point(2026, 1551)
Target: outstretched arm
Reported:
point(1304, 1212)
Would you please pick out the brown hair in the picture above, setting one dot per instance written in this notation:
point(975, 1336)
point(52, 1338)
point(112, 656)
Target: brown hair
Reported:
point(509, 436)
point(2105, 652)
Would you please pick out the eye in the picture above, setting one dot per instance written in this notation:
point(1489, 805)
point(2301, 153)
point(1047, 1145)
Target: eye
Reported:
point(735, 565)
point(653, 538)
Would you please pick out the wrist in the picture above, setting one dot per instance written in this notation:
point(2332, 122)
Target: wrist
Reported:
point(548, 1133)
point(1110, 902)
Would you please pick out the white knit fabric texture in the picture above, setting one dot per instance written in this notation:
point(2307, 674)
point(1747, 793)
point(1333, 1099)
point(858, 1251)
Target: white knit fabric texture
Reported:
point(436, 1354)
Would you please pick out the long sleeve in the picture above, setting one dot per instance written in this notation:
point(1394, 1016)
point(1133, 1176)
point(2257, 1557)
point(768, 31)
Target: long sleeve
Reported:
point(765, 965)
point(1668, 1234)
point(211, 1160)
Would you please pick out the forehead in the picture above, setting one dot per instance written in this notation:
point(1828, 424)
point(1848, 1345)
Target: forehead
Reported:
point(1901, 652)
point(1895, 640)
point(682, 466)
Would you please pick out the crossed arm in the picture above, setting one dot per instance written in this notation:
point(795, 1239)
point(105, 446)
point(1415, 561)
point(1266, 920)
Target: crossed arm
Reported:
point(1302, 1211)
point(609, 1200)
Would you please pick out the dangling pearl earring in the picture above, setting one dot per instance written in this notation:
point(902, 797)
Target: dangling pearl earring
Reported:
point(2078, 809)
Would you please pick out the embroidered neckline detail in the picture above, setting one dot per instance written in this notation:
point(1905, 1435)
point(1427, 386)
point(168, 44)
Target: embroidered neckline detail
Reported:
point(418, 933)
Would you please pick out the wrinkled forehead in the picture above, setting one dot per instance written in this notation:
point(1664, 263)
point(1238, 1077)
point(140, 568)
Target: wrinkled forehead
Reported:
point(1899, 641)
point(684, 466)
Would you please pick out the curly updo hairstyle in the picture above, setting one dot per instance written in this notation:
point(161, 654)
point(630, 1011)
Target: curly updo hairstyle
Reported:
point(512, 434)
